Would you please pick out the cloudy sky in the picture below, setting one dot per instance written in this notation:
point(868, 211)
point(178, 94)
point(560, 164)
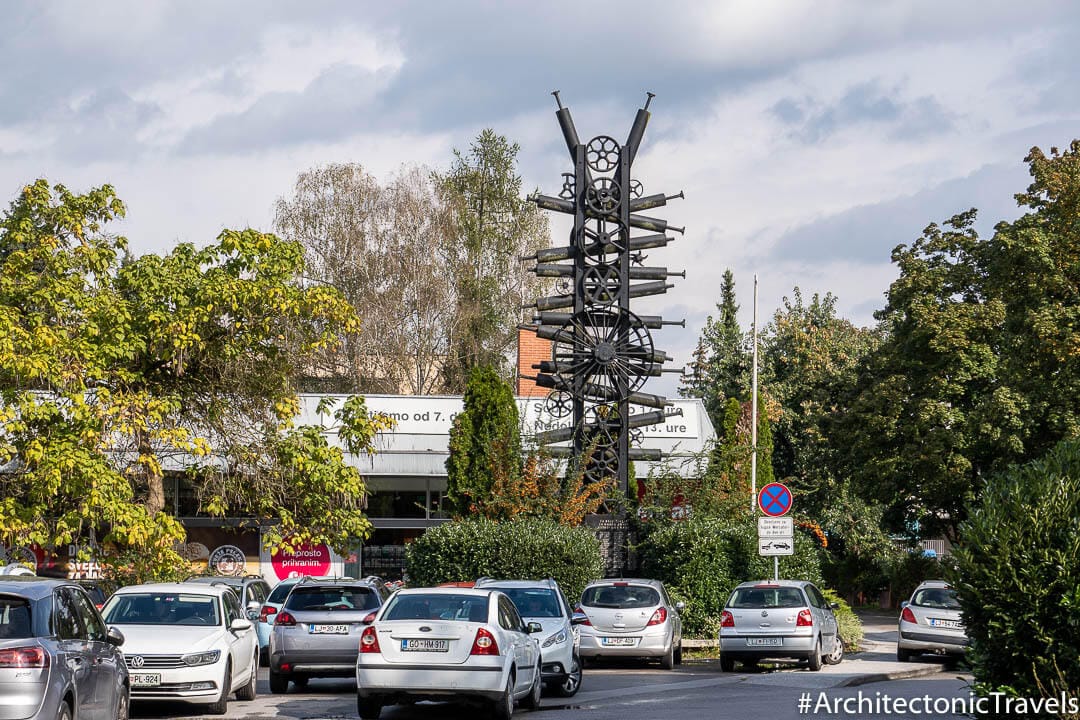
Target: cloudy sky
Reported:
point(810, 137)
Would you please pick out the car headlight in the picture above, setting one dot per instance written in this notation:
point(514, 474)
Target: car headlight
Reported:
point(203, 658)
point(559, 637)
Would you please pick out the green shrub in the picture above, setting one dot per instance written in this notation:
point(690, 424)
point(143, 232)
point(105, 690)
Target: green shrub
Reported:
point(848, 623)
point(910, 569)
point(1018, 578)
point(701, 561)
point(528, 548)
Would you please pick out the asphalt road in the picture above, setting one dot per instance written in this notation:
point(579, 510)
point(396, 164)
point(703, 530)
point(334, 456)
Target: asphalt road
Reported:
point(628, 690)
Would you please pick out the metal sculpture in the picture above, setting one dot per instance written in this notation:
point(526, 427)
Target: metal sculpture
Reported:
point(602, 353)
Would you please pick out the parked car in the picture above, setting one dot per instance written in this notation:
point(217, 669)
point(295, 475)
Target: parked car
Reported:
point(542, 601)
point(778, 619)
point(186, 641)
point(630, 618)
point(930, 622)
point(317, 630)
point(276, 599)
point(252, 592)
point(58, 659)
point(448, 644)
point(94, 591)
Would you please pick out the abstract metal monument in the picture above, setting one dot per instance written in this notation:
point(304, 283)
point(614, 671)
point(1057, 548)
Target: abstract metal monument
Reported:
point(602, 353)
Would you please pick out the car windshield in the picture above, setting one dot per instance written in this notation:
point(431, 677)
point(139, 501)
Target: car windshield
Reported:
point(468, 608)
point(620, 596)
point(169, 608)
point(14, 619)
point(942, 598)
point(767, 597)
point(280, 592)
point(332, 598)
point(533, 602)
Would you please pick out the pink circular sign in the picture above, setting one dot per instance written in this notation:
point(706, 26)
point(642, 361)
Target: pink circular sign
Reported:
point(303, 560)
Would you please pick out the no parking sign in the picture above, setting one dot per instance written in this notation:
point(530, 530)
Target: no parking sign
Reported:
point(774, 499)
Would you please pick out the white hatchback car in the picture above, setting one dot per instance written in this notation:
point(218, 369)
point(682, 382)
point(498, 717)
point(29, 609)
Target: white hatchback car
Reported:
point(186, 642)
point(448, 644)
point(931, 622)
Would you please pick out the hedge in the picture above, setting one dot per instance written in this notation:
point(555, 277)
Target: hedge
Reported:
point(526, 549)
point(701, 560)
point(1017, 576)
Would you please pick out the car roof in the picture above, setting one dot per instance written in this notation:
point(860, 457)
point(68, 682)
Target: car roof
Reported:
point(547, 584)
point(185, 588)
point(30, 586)
point(933, 584)
point(631, 581)
point(478, 592)
point(774, 583)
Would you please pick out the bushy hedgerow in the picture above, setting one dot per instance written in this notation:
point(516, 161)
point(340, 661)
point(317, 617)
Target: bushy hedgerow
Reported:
point(526, 549)
point(847, 622)
point(906, 571)
point(701, 560)
point(1018, 578)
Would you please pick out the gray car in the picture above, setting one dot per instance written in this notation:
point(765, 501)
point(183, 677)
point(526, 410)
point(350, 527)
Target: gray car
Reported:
point(58, 659)
point(779, 619)
point(317, 631)
point(930, 622)
point(630, 617)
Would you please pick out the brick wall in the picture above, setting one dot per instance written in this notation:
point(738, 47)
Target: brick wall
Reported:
point(531, 349)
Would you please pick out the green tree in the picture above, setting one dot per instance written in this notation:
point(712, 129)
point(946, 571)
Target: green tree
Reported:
point(114, 370)
point(492, 226)
point(485, 441)
point(721, 365)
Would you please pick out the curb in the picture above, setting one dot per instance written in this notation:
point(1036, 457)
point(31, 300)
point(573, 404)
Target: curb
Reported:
point(894, 675)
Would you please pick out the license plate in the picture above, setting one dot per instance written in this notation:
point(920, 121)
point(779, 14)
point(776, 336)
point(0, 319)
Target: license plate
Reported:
point(329, 629)
point(145, 679)
point(425, 645)
point(619, 641)
point(769, 642)
point(949, 624)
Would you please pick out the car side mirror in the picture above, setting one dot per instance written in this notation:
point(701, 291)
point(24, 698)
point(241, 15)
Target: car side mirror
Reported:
point(680, 605)
point(254, 605)
point(834, 606)
point(240, 624)
point(114, 637)
point(534, 627)
point(252, 615)
point(904, 604)
point(579, 618)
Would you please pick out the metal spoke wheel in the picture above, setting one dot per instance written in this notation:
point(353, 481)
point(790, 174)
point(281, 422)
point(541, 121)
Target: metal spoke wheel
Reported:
point(559, 404)
point(601, 284)
point(603, 241)
point(610, 348)
point(602, 153)
point(603, 196)
point(636, 189)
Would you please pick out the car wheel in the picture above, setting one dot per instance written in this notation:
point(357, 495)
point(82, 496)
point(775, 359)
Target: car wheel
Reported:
point(902, 655)
point(727, 663)
point(368, 707)
point(814, 661)
point(279, 683)
point(300, 681)
point(64, 713)
point(532, 700)
point(668, 660)
point(837, 654)
point(503, 708)
point(249, 690)
point(222, 705)
point(572, 683)
point(123, 704)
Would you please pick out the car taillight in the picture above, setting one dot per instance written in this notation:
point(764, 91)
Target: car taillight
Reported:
point(908, 616)
point(369, 618)
point(484, 644)
point(369, 641)
point(284, 618)
point(266, 612)
point(24, 657)
point(658, 617)
point(727, 619)
point(805, 619)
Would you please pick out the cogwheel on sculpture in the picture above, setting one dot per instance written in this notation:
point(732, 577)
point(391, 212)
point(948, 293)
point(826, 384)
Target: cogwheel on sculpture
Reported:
point(609, 348)
point(559, 404)
point(602, 153)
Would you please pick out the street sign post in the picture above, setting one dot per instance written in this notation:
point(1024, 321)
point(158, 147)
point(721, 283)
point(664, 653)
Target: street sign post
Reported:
point(775, 546)
point(776, 534)
point(770, 527)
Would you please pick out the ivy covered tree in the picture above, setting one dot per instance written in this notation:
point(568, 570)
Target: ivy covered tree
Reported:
point(485, 442)
point(720, 369)
point(115, 370)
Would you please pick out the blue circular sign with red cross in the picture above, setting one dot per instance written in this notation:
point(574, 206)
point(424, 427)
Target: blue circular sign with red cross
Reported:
point(774, 499)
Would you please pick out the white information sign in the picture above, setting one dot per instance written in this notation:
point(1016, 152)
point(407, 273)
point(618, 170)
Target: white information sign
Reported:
point(775, 527)
point(776, 546)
